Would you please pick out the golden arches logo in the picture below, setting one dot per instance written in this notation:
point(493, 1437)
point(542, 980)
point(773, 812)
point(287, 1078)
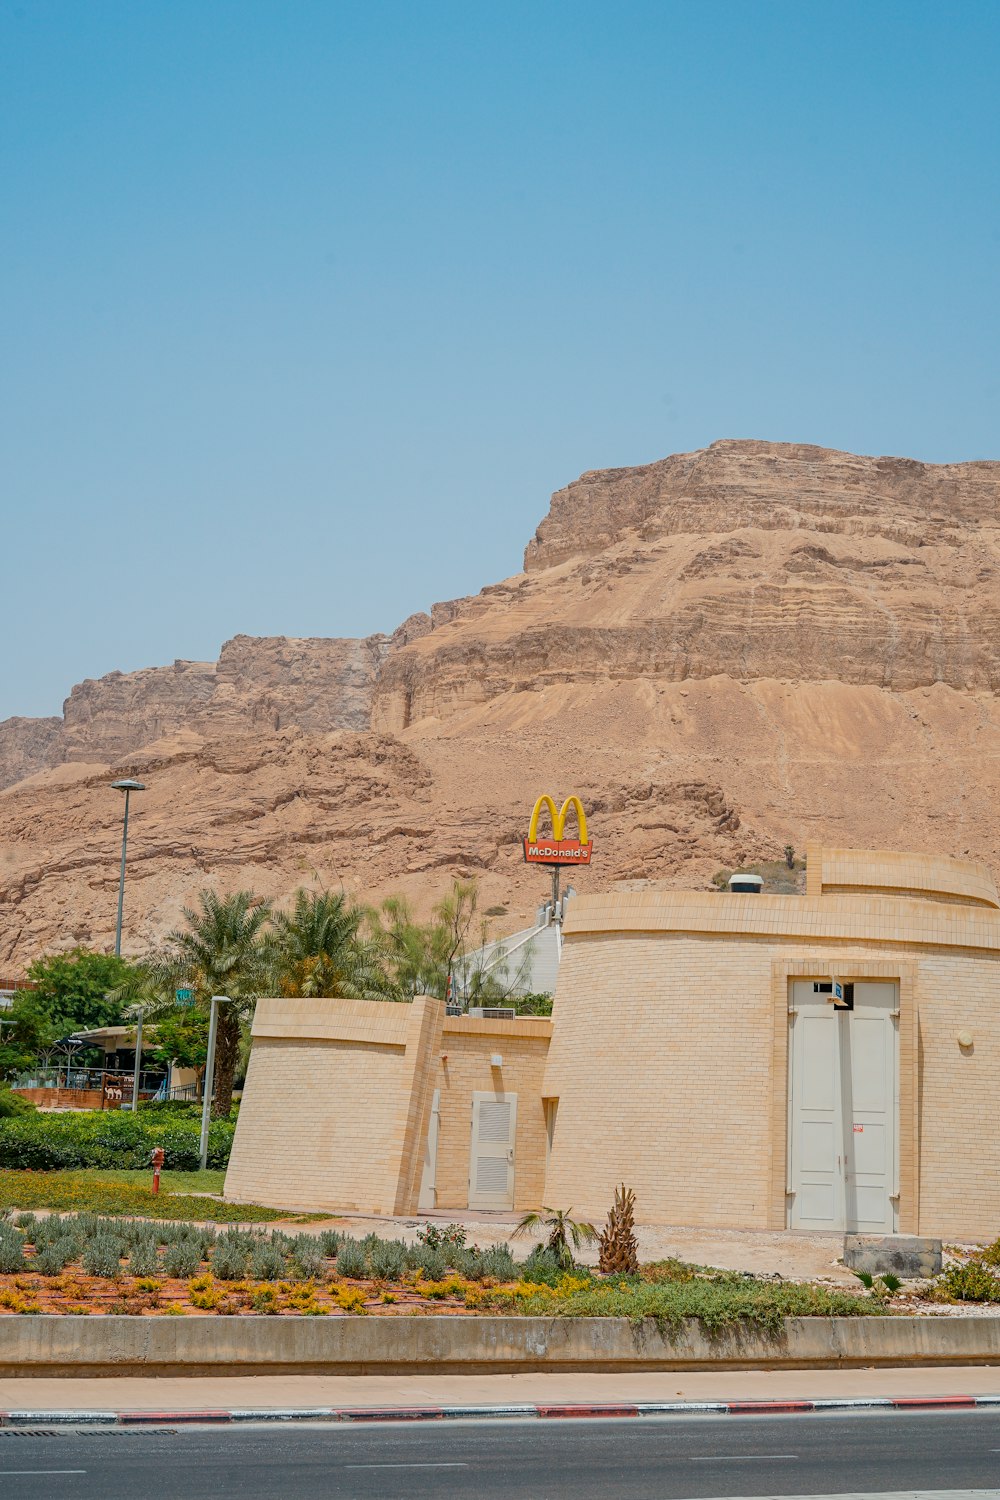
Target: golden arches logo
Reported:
point(558, 850)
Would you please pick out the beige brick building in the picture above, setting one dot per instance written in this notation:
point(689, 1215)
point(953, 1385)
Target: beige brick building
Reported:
point(822, 1061)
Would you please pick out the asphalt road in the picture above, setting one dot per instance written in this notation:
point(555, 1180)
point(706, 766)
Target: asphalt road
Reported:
point(629, 1459)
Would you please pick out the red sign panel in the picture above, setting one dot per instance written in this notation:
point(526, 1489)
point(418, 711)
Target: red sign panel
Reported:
point(557, 851)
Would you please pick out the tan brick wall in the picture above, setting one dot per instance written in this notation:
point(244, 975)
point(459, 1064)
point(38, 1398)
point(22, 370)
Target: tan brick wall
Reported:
point(886, 870)
point(669, 1059)
point(469, 1044)
point(331, 1111)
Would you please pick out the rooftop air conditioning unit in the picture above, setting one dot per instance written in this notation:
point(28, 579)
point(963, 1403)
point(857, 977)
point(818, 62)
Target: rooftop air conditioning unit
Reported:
point(493, 1012)
point(748, 884)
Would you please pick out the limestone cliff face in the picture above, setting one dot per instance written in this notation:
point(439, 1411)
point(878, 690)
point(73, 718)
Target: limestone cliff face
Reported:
point(748, 560)
point(259, 684)
point(723, 653)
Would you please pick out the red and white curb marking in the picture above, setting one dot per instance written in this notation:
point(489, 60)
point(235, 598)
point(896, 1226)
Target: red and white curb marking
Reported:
point(443, 1413)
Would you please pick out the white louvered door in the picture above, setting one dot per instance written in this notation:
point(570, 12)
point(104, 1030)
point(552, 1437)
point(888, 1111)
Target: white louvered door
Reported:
point(491, 1162)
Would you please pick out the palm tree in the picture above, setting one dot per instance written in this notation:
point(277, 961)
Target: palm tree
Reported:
point(224, 949)
point(318, 950)
point(562, 1229)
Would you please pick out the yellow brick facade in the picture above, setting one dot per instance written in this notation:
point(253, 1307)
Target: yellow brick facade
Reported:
point(665, 1064)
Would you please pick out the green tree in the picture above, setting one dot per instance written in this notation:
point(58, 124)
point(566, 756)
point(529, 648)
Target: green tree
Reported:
point(443, 956)
point(223, 949)
point(181, 1036)
point(73, 988)
point(28, 1034)
point(319, 949)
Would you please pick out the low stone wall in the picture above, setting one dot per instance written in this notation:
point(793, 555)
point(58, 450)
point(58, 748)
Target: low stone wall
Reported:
point(63, 1098)
point(439, 1345)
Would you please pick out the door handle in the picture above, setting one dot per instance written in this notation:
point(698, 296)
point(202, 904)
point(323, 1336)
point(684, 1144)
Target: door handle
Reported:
point(510, 1154)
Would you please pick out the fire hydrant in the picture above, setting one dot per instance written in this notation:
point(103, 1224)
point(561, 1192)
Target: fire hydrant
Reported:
point(157, 1164)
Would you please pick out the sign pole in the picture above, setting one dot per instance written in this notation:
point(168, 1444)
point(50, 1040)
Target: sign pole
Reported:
point(206, 1106)
point(556, 908)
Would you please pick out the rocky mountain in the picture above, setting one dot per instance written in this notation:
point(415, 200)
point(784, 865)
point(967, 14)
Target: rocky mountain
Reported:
point(724, 652)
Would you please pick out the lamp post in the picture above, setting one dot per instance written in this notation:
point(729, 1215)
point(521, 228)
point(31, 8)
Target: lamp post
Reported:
point(125, 786)
point(138, 1060)
point(206, 1104)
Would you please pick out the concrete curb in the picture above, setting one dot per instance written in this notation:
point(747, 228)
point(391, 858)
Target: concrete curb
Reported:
point(439, 1344)
point(217, 1416)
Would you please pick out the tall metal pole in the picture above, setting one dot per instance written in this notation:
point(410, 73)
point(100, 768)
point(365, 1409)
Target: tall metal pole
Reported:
point(121, 883)
point(138, 1063)
point(209, 1086)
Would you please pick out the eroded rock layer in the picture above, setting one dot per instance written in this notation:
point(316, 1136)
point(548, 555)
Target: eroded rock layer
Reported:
point(724, 652)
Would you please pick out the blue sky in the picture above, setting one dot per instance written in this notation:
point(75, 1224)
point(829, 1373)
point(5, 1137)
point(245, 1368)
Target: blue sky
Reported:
point(306, 307)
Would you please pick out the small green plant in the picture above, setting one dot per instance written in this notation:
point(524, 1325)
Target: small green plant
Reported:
point(143, 1259)
point(182, 1258)
point(973, 1282)
point(11, 1252)
point(563, 1232)
point(879, 1286)
point(448, 1237)
point(102, 1255)
point(388, 1260)
point(308, 1256)
point(52, 1258)
point(229, 1260)
point(352, 1260)
point(267, 1262)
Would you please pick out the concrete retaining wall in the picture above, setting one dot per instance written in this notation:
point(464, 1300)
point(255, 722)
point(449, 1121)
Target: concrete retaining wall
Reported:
point(397, 1345)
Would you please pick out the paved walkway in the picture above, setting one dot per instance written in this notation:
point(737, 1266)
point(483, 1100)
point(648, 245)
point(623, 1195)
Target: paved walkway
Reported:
point(182, 1393)
point(789, 1253)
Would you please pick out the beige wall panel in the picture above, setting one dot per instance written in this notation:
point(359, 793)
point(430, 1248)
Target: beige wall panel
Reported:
point(316, 1125)
point(661, 1059)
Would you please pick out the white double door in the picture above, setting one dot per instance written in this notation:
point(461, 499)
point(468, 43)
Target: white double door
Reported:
point(843, 1108)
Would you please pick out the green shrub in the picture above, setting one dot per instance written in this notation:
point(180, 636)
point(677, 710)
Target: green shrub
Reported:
point(144, 1259)
point(433, 1263)
point(330, 1241)
point(499, 1262)
point(54, 1257)
point(108, 1139)
point(447, 1237)
point(387, 1260)
point(308, 1256)
point(11, 1253)
point(182, 1258)
point(352, 1260)
point(542, 1266)
point(14, 1106)
point(102, 1255)
point(27, 1222)
point(229, 1260)
point(267, 1262)
point(973, 1282)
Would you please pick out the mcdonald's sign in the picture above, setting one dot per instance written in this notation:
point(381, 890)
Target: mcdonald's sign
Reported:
point(558, 850)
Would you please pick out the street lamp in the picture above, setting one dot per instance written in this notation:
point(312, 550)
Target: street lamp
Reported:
point(209, 1081)
point(125, 786)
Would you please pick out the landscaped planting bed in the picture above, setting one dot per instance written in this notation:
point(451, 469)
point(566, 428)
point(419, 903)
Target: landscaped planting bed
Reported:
point(83, 1263)
point(106, 1193)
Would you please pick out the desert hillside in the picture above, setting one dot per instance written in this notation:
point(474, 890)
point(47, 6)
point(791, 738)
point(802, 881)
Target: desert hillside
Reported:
point(723, 652)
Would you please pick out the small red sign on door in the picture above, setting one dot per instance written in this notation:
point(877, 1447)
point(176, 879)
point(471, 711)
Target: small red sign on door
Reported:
point(858, 1129)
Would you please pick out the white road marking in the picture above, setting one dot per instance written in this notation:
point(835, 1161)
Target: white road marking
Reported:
point(404, 1466)
point(736, 1458)
point(5, 1473)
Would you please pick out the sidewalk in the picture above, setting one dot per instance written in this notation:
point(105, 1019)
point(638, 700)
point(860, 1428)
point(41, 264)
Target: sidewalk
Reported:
point(180, 1393)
